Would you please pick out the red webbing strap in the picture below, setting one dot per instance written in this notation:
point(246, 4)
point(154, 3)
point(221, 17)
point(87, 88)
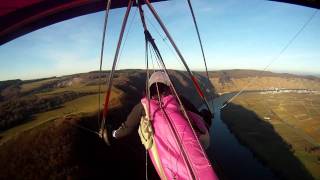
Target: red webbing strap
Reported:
point(106, 104)
point(195, 82)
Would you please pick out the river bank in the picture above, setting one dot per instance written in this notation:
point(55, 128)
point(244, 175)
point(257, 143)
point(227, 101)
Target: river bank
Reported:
point(234, 160)
point(285, 149)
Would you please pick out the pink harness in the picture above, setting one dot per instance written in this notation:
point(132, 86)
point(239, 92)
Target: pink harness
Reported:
point(180, 153)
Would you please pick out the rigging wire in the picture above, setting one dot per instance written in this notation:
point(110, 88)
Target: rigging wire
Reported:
point(101, 55)
point(274, 59)
point(193, 78)
point(109, 84)
point(201, 46)
point(83, 128)
point(204, 60)
point(126, 36)
point(164, 39)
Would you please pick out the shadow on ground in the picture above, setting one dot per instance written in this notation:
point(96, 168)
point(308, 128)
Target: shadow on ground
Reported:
point(264, 141)
point(124, 159)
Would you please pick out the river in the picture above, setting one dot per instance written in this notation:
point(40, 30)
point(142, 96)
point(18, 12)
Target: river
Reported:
point(235, 160)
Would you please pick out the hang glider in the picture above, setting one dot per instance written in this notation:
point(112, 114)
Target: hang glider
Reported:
point(20, 17)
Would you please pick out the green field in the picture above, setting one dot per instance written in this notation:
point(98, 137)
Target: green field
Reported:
point(283, 129)
point(77, 87)
point(81, 88)
point(26, 87)
point(83, 104)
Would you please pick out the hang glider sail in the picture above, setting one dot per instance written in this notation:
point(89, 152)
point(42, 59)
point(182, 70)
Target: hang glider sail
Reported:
point(308, 3)
point(20, 17)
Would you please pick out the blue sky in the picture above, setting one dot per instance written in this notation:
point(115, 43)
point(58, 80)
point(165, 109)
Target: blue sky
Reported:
point(236, 34)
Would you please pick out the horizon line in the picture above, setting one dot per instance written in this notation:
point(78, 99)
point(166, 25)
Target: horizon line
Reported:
point(317, 75)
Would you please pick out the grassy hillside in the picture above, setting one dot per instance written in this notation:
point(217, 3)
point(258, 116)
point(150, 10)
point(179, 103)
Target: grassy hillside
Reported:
point(30, 86)
point(86, 104)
